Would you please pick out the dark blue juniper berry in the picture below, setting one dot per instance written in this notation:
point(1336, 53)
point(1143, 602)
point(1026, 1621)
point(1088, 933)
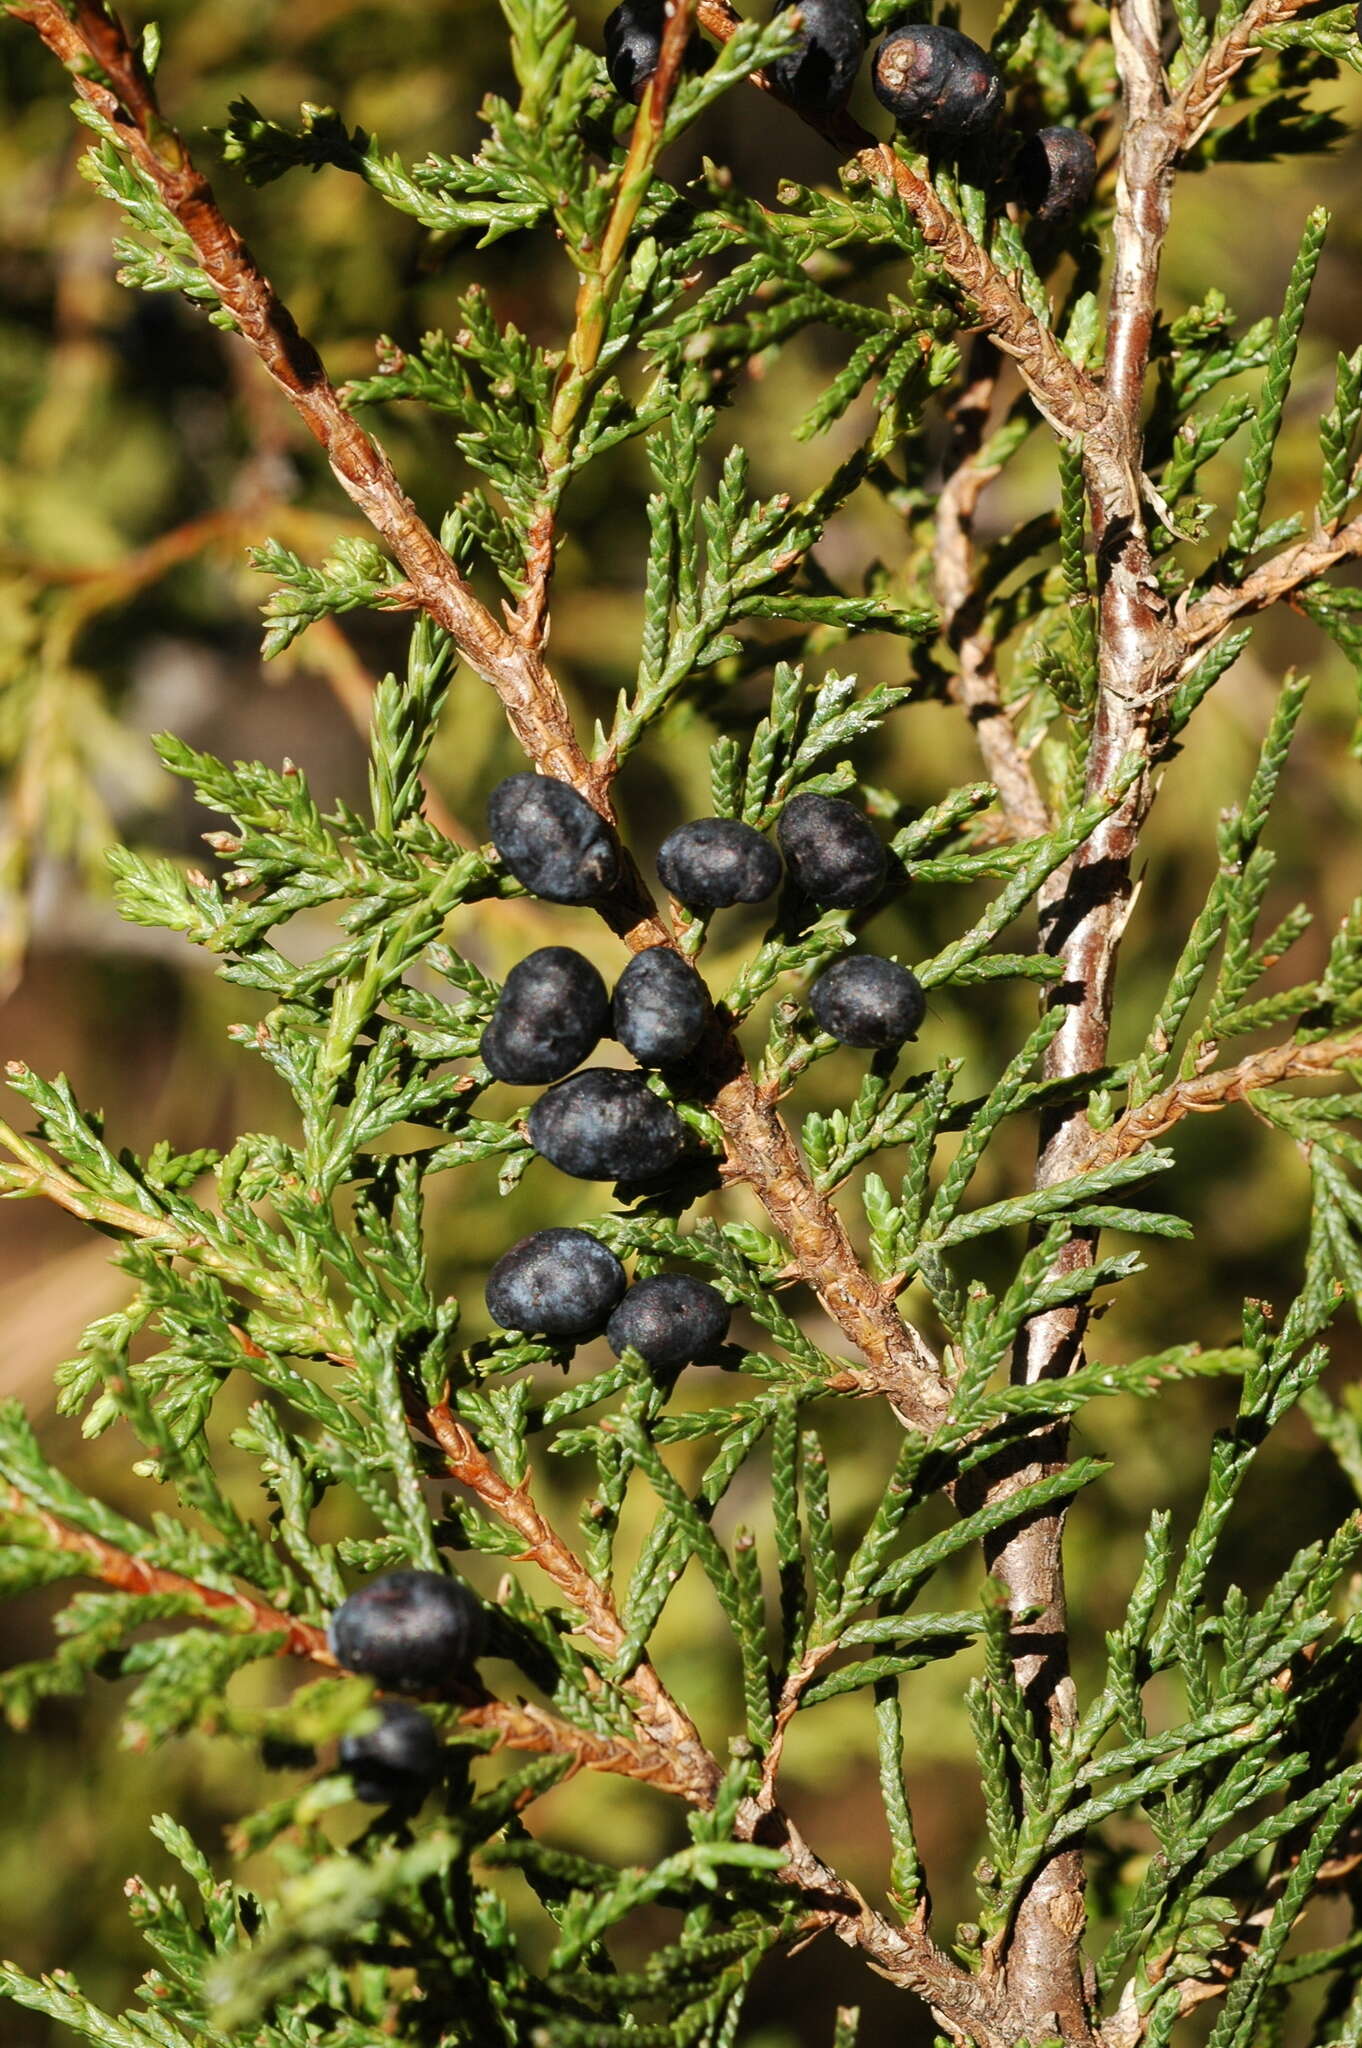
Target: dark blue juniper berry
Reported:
point(670, 1319)
point(551, 839)
point(714, 862)
point(555, 1283)
point(937, 83)
point(1056, 171)
point(606, 1125)
point(660, 1007)
point(832, 850)
point(867, 1001)
point(552, 1013)
point(414, 1631)
point(633, 46)
point(395, 1763)
point(820, 72)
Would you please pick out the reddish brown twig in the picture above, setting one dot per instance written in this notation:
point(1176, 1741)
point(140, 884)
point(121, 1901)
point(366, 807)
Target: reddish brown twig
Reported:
point(1217, 1090)
point(1205, 618)
point(694, 1771)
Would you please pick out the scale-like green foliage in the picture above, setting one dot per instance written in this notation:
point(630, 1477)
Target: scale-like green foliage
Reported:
point(297, 1264)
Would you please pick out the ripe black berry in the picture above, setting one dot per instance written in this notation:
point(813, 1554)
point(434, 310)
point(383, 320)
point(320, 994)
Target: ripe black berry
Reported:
point(832, 850)
point(866, 1001)
point(416, 1631)
point(605, 1125)
point(659, 1008)
point(552, 1012)
point(633, 44)
point(937, 83)
point(713, 862)
point(670, 1319)
point(394, 1763)
point(1056, 171)
point(821, 70)
point(551, 839)
point(555, 1283)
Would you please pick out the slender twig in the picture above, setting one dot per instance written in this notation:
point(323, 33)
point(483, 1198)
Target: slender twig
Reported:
point(601, 275)
point(1217, 1090)
point(662, 1721)
point(975, 685)
point(1190, 113)
point(1205, 618)
point(517, 1724)
point(1085, 913)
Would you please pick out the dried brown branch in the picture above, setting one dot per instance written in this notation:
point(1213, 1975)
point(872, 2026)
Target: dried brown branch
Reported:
point(760, 1149)
point(1204, 1093)
point(975, 685)
point(1191, 111)
point(1278, 579)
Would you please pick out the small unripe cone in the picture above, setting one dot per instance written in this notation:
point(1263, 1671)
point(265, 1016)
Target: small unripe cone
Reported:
point(937, 83)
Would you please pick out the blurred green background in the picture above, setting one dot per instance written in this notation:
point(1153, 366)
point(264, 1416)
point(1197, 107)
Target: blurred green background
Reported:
point(140, 452)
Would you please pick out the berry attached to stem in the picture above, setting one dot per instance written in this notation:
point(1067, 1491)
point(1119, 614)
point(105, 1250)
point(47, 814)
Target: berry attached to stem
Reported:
point(555, 1283)
point(551, 839)
point(659, 1008)
point(714, 862)
point(937, 83)
point(671, 1320)
point(868, 1001)
point(414, 1631)
point(820, 72)
point(605, 1125)
point(395, 1763)
point(552, 1013)
point(832, 850)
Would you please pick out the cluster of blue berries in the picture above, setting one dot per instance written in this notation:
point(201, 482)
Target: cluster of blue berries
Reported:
point(412, 1632)
point(939, 85)
point(604, 1124)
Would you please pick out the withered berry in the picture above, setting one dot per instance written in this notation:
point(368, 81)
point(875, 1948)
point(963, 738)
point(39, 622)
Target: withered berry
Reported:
point(659, 1007)
point(714, 862)
point(605, 1125)
point(832, 850)
point(670, 1319)
point(551, 839)
point(937, 83)
point(1056, 172)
